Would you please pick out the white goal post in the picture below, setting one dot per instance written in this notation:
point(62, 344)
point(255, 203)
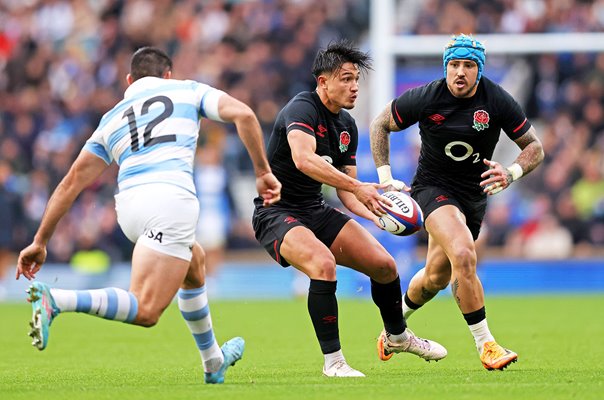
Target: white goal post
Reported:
point(386, 46)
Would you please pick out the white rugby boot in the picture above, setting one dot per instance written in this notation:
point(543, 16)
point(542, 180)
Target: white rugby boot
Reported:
point(427, 349)
point(340, 369)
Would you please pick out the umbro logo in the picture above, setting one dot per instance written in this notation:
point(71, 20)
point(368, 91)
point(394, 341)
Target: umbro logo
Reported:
point(437, 118)
point(289, 220)
point(441, 198)
point(321, 130)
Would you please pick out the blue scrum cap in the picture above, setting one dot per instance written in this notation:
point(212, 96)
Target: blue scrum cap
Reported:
point(465, 47)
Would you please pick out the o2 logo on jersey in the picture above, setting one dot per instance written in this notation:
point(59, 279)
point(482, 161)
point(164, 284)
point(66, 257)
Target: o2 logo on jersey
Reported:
point(469, 151)
point(328, 159)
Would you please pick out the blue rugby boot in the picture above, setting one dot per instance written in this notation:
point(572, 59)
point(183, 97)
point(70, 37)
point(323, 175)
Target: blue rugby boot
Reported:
point(44, 311)
point(232, 351)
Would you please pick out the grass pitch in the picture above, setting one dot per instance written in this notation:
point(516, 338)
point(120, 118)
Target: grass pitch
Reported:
point(558, 339)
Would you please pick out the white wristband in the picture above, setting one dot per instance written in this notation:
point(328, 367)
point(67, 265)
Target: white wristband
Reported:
point(516, 171)
point(384, 173)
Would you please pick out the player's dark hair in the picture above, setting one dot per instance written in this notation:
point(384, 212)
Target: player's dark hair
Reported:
point(149, 61)
point(332, 58)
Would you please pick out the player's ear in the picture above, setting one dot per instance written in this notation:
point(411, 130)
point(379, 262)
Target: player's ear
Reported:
point(322, 82)
point(167, 74)
point(129, 79)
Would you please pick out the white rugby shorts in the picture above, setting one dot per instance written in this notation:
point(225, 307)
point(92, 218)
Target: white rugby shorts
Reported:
point(160, 216)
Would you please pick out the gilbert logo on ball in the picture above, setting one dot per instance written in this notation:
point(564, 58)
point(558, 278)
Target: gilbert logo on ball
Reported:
point(404, 217)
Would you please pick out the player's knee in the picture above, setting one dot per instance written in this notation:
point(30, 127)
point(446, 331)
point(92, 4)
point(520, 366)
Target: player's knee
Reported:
point(324, 267)
point(146, 317)
point(464, 261)
point(385, 270)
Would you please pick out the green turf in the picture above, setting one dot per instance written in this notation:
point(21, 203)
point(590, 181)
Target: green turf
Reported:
point(558, 339)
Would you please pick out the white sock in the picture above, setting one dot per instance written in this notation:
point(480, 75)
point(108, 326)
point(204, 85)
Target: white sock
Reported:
point(193, 305)
point(407, 311)
point(400, 338)
point(481, 334)
point(109, 303)
point(332, 358)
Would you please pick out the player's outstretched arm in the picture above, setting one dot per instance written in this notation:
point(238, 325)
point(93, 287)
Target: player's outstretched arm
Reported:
point(248, 129)
point(303, 147)
point(379, 136)
point(497, 178)
point(85, 169)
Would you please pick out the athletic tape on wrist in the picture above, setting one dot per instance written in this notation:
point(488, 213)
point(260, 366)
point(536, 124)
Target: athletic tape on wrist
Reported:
point(516, 171)
point(384, 173)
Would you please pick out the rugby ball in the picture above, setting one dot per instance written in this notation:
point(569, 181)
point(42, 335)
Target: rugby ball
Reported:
point(404, 217)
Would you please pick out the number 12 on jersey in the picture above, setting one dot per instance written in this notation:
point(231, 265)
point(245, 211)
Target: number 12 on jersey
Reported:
point(148, 140)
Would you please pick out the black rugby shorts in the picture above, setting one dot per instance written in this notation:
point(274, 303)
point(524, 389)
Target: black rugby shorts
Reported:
point(430, 198)
point(271, 224)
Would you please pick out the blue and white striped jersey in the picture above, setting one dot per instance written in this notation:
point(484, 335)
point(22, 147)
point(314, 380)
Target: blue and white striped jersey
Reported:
point(152, 133)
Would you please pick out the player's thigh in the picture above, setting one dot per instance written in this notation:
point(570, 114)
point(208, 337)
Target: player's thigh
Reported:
point(356, 248)
point(447, 227)
point(301, 248)
point(155, 280)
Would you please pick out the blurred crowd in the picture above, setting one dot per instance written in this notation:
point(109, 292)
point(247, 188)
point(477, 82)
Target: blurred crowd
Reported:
point(63, 65)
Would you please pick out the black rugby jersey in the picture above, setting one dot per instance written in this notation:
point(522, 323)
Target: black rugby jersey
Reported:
point(458, 133)
point(336, 136)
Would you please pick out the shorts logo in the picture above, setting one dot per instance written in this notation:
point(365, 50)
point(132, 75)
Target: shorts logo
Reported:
point(152, 234)
point(344, 141)
point(289, 220)
point(437, 118)
point(441, 198)
point(330, 319)
point(481, 120)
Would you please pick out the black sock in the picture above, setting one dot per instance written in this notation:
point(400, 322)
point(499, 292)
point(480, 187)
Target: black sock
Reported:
point(388, 299)
point(323, 310)
point(475, 316)
point(410, 303)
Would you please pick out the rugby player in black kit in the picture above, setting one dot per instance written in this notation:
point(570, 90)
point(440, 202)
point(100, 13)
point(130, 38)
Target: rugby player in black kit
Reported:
point(314, 142)
point(460, 118)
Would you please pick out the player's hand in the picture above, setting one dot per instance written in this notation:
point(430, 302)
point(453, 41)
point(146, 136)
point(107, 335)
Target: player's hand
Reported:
point(396, 185)
point(496, 178)
point(269, 188)
point(30, 260)
point(367, 193)
point(385, 175)
point(376, 221)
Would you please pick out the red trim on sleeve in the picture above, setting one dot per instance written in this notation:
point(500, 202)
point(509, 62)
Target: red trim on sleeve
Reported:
point(397, 115)
point(301, 124)
point(520, 126)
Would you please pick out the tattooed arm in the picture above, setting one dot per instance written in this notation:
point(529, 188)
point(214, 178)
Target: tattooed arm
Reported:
point(498, 178)
point(379, 135)
point(532, 151)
